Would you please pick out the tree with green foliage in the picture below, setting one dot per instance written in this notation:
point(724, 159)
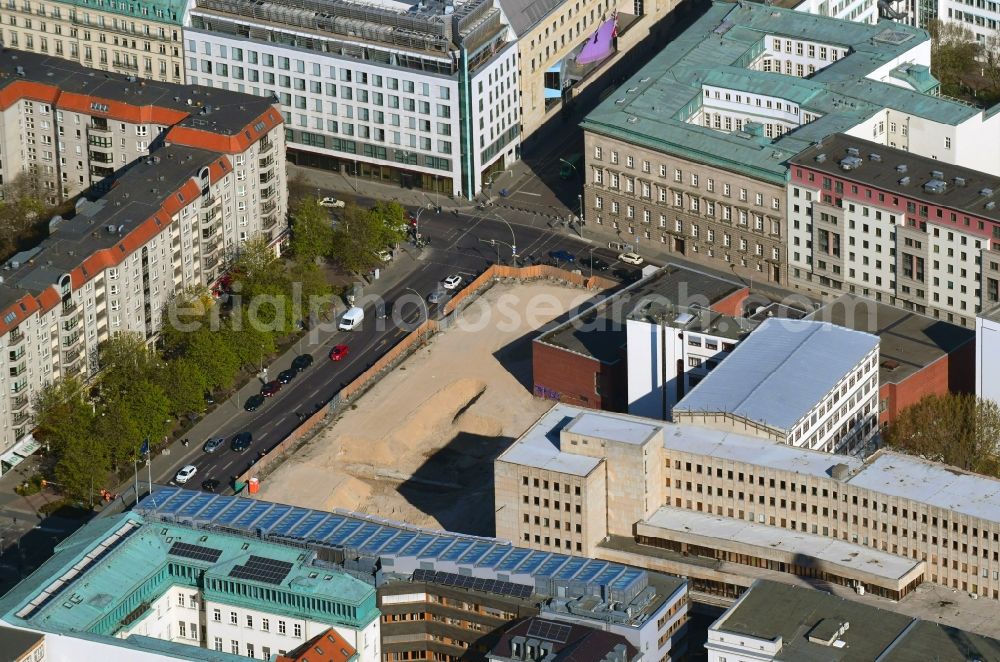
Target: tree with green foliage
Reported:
point(250, 344)
point(118, 432)
point(149, 409)
point(62, 414)
point(263, 295)
point(957, 429)
point(953, 55)
point(82, 468)
point(23, 213)
point(362, 233)
point(217, 360)
point(184, 313)
point(125, 358)
point(184, 383)
point(315, 291)
point(312, 231)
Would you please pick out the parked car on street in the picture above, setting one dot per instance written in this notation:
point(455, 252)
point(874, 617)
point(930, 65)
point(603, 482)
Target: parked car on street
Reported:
point(595, 263)
point(631, 258)
point(213, 444)
point(301, 362)
point(185, 474)
point(270, 388)
point(286, 376)
point(253, 402)
point(331, 203)
point(436, 297)
point(452, 282)
point(339, 352)
point(562, 256)
point(241, 441)
point(210, 485)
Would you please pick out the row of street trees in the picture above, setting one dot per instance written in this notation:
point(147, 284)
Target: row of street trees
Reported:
point(965, 68)
point(94, 431)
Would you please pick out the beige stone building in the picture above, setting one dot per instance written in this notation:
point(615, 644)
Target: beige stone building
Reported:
point(135, 38)
point(210, 177)
point(635, 196)
point(552, 32)
point(723, 509)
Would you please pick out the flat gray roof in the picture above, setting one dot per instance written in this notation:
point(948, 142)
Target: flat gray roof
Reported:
point(932, 483)
point(613, 428)
point(780, 371)
point(599, 331)
point(771, 609)
point(753, 450)
point(908, 341)
point(539, 446)
point(830, 550)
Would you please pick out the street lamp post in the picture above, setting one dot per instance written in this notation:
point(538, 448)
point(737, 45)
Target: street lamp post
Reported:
point(513, 239)
point(591, 251)
point(579, 199)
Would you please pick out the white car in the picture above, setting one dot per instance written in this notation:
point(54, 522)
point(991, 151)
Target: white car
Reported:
point(385, 256)
point(331, 202)
point(185, 474)
point(631, 258)
point(452, 282)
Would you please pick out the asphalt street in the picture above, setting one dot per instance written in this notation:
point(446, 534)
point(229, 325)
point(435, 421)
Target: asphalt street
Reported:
point(459, 245)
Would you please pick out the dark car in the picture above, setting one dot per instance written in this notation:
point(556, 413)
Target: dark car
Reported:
point(241, 442)
point(213, 444)
point(210, 485)
point(209, 398)
point(286, 376)
point(253, 402)
point(302, 362)
point(627, 275)
point(270, 388)
point(562, 256)
point(595, 263)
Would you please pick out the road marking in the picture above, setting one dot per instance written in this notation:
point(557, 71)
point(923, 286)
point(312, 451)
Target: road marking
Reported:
point(537, 195)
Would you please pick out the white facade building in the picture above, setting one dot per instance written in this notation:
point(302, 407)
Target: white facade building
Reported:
point(861, 11)
point(988, 355)
point(421, 96)
point(802, 383)
point(671, 349)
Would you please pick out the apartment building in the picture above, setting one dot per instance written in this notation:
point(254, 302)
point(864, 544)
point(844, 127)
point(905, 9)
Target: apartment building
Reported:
point(895, 227)
point(798, 382)
point(134, 588)
point(540, 638)
point(774, 621)
point(988, 354)
point(22, 646)
point(449, 596)
point(133, 38)
point(861, 11)
point(691, 154)
point(723, 508)
point(213, 178)
point(423, 96)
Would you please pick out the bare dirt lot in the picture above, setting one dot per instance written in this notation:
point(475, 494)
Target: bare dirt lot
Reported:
point(419, 447)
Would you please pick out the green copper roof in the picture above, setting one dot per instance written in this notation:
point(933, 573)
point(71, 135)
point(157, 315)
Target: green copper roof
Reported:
point(651, 108)
point(108, 572)
point(160, 11)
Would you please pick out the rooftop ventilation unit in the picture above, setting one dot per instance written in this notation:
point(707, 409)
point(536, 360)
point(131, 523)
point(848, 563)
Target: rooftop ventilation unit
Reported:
point(875, 157)
point(905, 181)
point(935, 186)
point(937, 174)
point(850, 163)
point(820, 158)
point(959, 181)
point(901, 168)
point(853, 151)
point(986, 192)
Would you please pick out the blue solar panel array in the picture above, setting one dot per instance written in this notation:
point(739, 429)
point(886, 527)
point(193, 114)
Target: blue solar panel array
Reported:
point(388, 540)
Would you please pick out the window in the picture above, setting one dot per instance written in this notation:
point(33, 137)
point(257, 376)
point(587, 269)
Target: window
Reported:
point(249, 621)
point(182, 629)
point(281, 627)
point(217, 615)
point(297, 629)
point(180, 600)
point(233, 618)
point(265, 623)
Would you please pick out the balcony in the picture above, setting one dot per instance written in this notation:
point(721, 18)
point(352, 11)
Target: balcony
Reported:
point(269, 222)
point(19, 387)
point(210, 262)
point(16, 355)
point(71, 324)
point(265, 162)
point(210, 217)
point(126, 66)
point(73, 357)
point(100, 171)
point(14, 337)
point(99, 130)
point(101, 157)
point(265, 147)
point(97, 142)
point(69, 307)
point(71, 340)
point(18, 370)
point(268, 193)
point(18, 403)
point(268, 207)
point(266, 177)
point(210, 202)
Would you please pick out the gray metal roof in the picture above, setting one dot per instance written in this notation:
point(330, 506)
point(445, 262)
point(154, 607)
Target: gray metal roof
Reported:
point(780, 371)
point(526, 14)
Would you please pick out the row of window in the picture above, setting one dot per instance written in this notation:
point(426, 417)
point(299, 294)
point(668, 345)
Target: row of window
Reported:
point(265, 623)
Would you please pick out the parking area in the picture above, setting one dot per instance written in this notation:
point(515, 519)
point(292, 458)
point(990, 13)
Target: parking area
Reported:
point(419, 446)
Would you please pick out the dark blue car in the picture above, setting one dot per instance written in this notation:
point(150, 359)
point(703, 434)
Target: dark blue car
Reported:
point(562, 256)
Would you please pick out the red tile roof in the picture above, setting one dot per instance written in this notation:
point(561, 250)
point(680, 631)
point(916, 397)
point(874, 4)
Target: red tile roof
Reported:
point(328, 646)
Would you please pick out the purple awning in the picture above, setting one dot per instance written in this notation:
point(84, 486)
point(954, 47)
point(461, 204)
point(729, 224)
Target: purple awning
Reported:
point(600, 44)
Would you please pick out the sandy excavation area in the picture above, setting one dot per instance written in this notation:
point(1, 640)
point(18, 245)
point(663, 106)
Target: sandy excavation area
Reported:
point(419, 447)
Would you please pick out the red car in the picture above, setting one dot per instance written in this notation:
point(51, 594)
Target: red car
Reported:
point(270, 388)
point(338, 352)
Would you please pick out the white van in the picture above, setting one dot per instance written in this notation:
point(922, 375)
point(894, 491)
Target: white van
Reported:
point(351, 319)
